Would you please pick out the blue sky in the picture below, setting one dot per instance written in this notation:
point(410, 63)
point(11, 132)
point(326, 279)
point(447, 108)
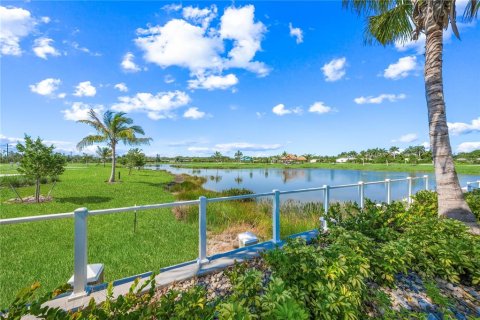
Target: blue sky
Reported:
point(199, 77)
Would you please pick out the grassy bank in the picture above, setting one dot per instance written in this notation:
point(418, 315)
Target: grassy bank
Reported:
point(43, 251)
point(461, 168)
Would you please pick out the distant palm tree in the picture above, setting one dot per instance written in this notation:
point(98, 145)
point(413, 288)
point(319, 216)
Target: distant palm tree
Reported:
point(238, 155)
point(393, 21)
point(393, 151)
point(114, 128)
point(217, 156)
point(103, 153)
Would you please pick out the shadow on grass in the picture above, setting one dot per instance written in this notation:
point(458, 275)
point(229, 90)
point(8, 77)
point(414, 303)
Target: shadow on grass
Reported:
point(84, 200)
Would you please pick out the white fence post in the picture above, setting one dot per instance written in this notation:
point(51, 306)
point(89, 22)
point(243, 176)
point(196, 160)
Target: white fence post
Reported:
point(202, 230)
point(361, 193)
point(409, 200)
point(80, 254)
point(389, 190)
point(276, 217)
point(426, 181)
point(326, 198)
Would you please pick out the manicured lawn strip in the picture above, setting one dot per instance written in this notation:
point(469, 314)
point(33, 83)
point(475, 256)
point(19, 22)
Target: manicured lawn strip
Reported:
point(43, 251)
point(461, 168)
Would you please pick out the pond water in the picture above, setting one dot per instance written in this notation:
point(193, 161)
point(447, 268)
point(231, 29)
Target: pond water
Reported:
point(267, 179)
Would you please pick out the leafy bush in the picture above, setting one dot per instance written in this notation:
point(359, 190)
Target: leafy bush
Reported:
point(425, 203)
point(16, 181)
point(473, 200)
point(329, 281)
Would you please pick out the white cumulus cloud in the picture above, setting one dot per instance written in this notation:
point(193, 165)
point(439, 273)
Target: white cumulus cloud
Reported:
point(335, 69)
point(402, 68)
point(297, 33)
point(15, 24)
point(128, 64)
point(79, 111)
point(280, 110)
point(457, 128)
point(200, 16)
point(238, 24)
point(320, 108)
point(213, 82)
point(407, 138)
point(379, 99)
point(158, 106)
point(46, 87)
point(122, 87)
point(42, 47)
point(194, 113)
point(468, 146)
point(85, 89)
point(188, 43)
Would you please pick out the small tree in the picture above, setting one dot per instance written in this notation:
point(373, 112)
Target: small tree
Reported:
point(104, 153)
point(238, 155)
point(39, 161)
point(135, 158)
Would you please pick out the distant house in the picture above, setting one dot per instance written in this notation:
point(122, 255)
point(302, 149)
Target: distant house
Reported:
point(313, 160)
point(344, 160)
point(291, 158)
point(246, 159)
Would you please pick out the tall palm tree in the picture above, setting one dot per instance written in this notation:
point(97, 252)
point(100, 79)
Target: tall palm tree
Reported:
point(114, 128)
point(103, 153)
point(391, 21)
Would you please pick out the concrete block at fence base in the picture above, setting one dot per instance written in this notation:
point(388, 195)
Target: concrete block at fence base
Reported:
point(94, 274)
point(247, 239)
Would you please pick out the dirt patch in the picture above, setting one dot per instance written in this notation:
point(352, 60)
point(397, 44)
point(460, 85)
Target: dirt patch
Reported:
point(227, 240)
point(30, 199)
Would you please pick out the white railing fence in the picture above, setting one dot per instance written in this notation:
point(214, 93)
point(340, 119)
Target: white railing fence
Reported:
point(81, 215)
point(473, 185)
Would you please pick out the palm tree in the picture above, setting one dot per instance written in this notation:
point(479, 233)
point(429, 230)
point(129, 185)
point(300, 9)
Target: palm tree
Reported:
point(103, 153)
point(391, 21)
point(114, 128)
point(238, 155)
point(217, 156)
point(393, 151)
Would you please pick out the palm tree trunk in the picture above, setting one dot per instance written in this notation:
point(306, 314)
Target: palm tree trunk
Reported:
point(114, 160)
point(451, 202)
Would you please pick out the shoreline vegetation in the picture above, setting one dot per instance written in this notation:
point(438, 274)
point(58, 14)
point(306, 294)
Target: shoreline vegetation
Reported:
point(468, 169)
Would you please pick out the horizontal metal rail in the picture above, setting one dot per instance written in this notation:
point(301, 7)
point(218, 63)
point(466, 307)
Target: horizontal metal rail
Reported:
point(240, 197)
point(144, 207)
point(45, 217)
point(301, 190)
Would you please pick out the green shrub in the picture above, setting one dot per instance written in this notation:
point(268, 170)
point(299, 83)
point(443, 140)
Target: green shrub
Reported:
point(16, 181)
point(237, 192)
point(473, 200)
point(329, 281)
point(425, 203)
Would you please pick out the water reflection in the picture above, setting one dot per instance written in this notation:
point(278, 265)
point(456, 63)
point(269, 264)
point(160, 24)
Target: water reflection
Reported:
point(267, 179)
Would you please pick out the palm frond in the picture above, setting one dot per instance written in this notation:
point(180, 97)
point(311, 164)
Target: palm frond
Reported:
point(138, 141)
point(90, 140)
point(369, 7)
point(390, 26)
point(471, 10)
point(137, 129)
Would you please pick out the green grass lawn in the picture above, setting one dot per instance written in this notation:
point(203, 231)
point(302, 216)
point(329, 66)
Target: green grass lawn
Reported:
point(43, 251)
point(461, 168)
